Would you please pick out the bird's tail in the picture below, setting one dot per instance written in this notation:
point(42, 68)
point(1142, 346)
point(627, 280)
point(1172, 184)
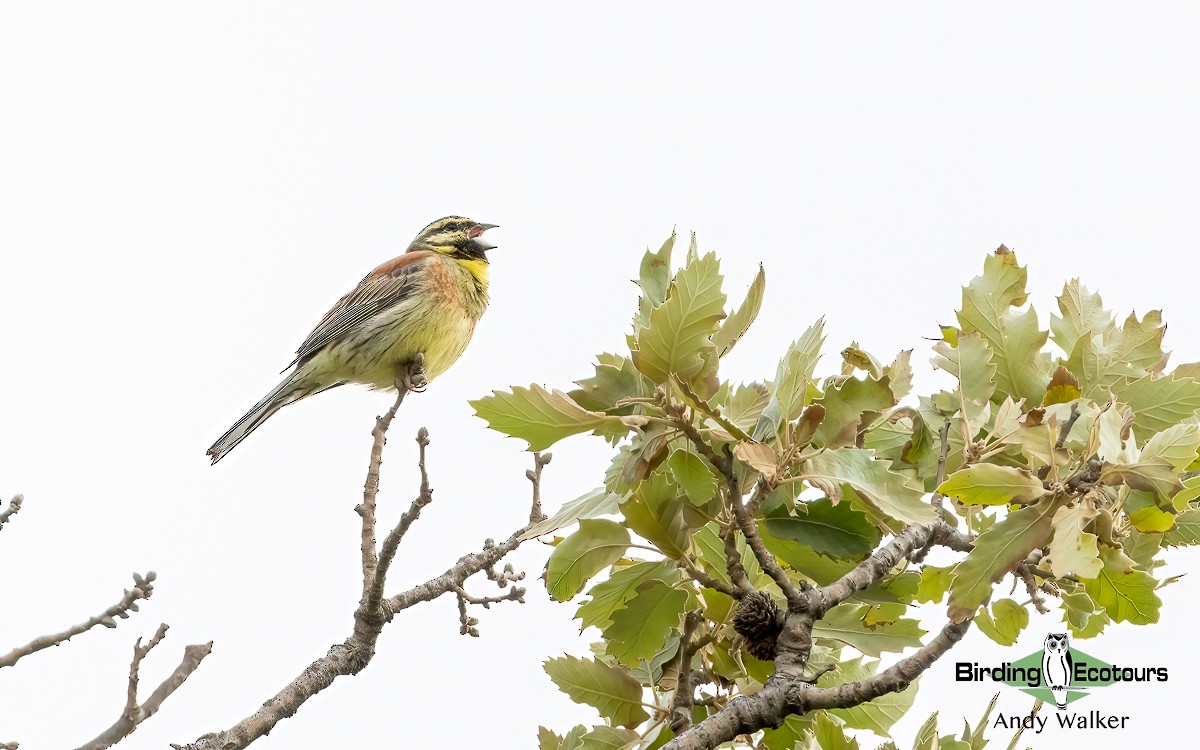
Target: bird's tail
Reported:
point(291, 390)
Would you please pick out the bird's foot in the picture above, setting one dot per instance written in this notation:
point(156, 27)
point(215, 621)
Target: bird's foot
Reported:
point(411, 376)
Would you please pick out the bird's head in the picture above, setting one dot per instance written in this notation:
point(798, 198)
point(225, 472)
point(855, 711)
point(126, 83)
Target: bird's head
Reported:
point(456, 236)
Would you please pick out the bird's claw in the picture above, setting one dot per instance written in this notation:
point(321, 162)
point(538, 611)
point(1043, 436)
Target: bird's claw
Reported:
point(412, 376)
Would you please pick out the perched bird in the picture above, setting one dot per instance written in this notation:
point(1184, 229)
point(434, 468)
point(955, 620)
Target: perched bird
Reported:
point(427, 302)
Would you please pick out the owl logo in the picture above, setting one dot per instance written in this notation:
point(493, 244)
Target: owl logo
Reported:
point(1057, 667)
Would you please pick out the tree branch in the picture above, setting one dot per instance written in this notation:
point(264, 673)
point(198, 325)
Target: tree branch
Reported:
point(744, 519)
point(704, 579)
point(135, 713)
point(375, 610)
point(681, 705)
point(784, 696)
point(9, 511)
point(143, 587)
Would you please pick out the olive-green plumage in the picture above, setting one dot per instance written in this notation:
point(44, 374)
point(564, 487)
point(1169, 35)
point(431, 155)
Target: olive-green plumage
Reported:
point(427, 301)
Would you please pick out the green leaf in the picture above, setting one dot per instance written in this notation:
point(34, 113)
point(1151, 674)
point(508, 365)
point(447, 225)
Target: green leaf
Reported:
point(608, 738)
point(615, 378)
point(610, 690)
point(844, 623)
point(1073, 551)
point(1132, 349)
point(1159, 403)
point(539, 416)
point(1156, 476)
point(795, 371)
point(1083, 314)
point(935, 582)
point(1005, 622)
point(608, 596)
point(878, 715)
point(1186, 531)
point(927, 735)
point(1178, 445)
point(1125, 593)
point(655, 513)
point(548, 740)
point(655, 273)
point(677, 339)
point(989, 484)
point(597, 544)
point(746, 405)
point(844, 406)
point(996, 551)
point(804, 559)
point(693, 476)
point(736, 325)
point(836, 531)
point(971, 363)
point(990, 307)
point(886, 491)
point(900, 374)
point(831, 735)
point(792, 731)
point(640, 628)
point(597, 502)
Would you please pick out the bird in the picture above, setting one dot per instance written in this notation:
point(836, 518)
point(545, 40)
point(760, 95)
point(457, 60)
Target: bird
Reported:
point(420, 307)
point(1057, 667)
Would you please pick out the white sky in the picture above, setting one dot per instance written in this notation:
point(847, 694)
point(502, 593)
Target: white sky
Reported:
point(183, 192)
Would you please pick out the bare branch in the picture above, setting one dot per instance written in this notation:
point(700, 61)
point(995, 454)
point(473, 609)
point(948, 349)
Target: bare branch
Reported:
point(891, 680)
point(9, 511)
point(783, 696)
point(375, 611)
point(534, 475)
point(681, 705)
point(134, 713)
point(467, 623)
point(366, 510)
point(749, 529)
point(392, 541)
point(143, 587)
point(704, 579)
point(744, 519)
point(1066, 426)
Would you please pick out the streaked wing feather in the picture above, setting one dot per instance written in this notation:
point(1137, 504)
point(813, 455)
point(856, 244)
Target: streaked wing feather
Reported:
point(374, 294)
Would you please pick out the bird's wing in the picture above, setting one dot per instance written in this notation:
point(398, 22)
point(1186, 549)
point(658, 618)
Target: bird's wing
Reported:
point(384, 287)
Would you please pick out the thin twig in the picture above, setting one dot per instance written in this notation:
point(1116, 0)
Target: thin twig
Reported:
point(534, 475)
point(707, 581)
point(143, 587)
point(392, 541)
point(1066, 427)
point(466, 622)
point(366, 510)
point(135, 713)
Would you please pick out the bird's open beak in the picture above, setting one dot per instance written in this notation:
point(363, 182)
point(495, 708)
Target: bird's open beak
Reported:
point(476, 233)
